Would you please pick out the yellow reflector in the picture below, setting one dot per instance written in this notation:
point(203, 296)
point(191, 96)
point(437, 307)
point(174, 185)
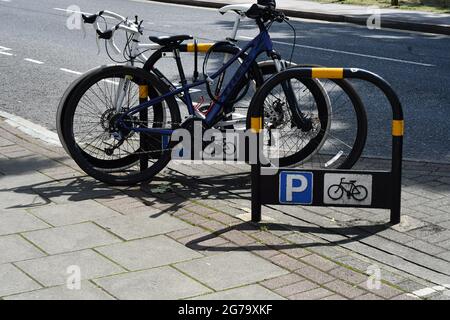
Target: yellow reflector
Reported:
point(256, 124)
point(201, 47)
point(398, 127)
point(143, 91)
point(328, 73)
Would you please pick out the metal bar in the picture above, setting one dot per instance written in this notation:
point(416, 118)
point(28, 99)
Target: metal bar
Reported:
point(143, 120)
point(393, 177)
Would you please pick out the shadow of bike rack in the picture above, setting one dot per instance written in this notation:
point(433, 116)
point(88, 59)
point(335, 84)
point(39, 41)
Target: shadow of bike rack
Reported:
point(337, 188)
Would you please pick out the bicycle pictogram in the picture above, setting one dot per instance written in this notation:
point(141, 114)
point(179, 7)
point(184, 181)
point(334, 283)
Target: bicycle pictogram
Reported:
point(350, 188)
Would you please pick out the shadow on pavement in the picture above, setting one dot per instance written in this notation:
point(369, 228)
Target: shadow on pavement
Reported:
point(353, 234)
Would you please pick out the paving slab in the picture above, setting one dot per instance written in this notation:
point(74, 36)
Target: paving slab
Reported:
point(164, 283)
point(74, 190)
point(20, 200)
point(71, 238)
point(87, 291)
point(13, 281)
point(53, 270)
point(74, 212)
point(19, 220)
point(231, 269)
point(313, 294)
point(148, 253)
point(15, 248)
point(141, 225)
point(22, 182)
point(250, 292)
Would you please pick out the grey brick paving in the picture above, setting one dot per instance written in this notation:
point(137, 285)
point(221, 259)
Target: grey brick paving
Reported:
point(384, 291)
point(348, 275)
point(315, 275)
point(147, 253)
point(295, 288)
point(87, 291)
point(344, 289)
point(18, 183)
point(314, 294)
point(15, 221)
point(22, 200)
point(159, 283)
point(71, 213)
point(108, 231)
point(141, 225)
point(15, 248)
point(70, 238)
point(53, 270)
point(282, 281)
point(250, 292)
point(229, 270)
point(13, 281)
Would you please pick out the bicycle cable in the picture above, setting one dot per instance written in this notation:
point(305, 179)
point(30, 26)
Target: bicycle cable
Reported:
point(294, 43)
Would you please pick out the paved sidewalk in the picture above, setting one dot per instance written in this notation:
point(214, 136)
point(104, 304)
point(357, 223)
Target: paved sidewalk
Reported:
point(413, 20)
point(187, 238)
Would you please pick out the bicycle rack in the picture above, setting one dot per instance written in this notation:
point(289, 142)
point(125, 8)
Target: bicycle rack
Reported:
point(307, 187)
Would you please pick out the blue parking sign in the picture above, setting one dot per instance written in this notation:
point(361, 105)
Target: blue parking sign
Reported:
point(296, 187)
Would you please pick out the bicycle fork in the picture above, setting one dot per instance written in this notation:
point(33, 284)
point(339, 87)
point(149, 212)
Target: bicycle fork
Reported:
point(302, 122)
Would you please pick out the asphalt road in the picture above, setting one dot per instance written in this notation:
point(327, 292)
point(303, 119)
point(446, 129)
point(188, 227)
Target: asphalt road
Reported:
point(38, 55)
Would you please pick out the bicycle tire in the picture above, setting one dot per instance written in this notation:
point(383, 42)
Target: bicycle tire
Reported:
point(268, 68)
point(75, 151)
point(62, 106)
point(257, 104)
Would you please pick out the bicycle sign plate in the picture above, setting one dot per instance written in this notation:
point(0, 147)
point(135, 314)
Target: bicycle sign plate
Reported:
point(347, 189)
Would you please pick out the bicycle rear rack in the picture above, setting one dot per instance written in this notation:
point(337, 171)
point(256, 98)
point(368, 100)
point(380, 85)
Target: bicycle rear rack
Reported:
point(315, 187)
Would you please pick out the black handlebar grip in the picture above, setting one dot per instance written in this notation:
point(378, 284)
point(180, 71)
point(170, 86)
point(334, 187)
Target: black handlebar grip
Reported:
point(105, 35)
point(91, 18)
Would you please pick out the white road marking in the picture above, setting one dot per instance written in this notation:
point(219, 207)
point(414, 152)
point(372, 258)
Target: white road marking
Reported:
point(2, 49)
point(33, 61)
point(30, 128)
point(349, 53)
point(70, 71)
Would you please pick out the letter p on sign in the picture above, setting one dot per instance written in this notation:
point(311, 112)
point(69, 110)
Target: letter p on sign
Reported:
point(296, 187)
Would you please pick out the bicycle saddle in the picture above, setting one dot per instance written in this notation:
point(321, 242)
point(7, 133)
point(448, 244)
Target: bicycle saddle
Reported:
point(168, 40)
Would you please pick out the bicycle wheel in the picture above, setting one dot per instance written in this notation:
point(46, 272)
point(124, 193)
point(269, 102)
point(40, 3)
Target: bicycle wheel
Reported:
point(359, 193)
point(348, 126)
point(285, 141)
point(92, 130)
point(120, 162)
point(335, 192)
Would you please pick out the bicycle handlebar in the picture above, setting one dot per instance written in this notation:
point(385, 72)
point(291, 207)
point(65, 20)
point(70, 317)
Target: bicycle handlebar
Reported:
point(108, 34)
point(265, 13)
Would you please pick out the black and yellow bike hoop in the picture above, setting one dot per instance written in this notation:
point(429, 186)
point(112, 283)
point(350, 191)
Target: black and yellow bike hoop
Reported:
point(313, 186)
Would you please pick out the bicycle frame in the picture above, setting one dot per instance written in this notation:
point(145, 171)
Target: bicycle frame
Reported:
point(261, 43)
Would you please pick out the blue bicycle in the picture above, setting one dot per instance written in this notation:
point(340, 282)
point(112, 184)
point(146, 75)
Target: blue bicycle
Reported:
point(126, 115)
